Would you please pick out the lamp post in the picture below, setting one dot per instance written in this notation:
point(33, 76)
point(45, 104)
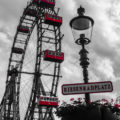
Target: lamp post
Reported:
point(82, 27)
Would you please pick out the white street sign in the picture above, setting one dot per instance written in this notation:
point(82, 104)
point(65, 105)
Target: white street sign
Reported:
point(82, 88)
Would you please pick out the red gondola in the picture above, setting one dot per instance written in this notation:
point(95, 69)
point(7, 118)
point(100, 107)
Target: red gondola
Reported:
point(48, 101)
point(17, 50)
point(53, 56)
point(23, 29)
point(31, 12)
point(45, 3)
point(53, 20)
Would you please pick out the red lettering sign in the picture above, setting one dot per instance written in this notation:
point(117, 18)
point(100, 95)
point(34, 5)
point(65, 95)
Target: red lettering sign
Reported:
point(82, 88)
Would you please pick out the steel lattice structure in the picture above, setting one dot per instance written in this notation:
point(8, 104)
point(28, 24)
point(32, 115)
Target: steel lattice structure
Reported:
point(49, 35)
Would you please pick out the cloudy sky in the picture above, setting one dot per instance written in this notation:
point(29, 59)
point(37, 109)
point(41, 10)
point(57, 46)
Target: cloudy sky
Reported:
point(104, 50)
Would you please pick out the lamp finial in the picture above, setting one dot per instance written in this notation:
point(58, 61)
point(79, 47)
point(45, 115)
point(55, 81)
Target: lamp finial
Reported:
point(81, 11)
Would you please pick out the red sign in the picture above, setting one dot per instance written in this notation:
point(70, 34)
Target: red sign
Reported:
point(82, 88)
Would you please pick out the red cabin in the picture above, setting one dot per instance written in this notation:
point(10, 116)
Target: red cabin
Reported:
point(48, 101)
point(53, 20)
point(23, 29)
point(53, 56)
point(31, 12)
point(17, 50)
point(45, 3)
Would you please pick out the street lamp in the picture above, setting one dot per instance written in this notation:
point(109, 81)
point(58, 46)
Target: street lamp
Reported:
point(82, 27)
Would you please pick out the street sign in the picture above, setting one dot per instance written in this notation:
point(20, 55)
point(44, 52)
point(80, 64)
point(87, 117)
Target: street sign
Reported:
point(82, 88)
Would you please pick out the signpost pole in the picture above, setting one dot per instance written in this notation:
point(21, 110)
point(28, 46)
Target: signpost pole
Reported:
point(84, 62)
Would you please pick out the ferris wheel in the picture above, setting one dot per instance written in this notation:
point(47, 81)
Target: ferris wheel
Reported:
point(34, 65)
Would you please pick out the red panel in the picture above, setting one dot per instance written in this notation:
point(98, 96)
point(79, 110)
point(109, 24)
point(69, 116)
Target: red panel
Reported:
point(23, 29)
point(53, 20)
point(54, 56)
point(51, 101)
point(45, 3)
point(46, 103)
